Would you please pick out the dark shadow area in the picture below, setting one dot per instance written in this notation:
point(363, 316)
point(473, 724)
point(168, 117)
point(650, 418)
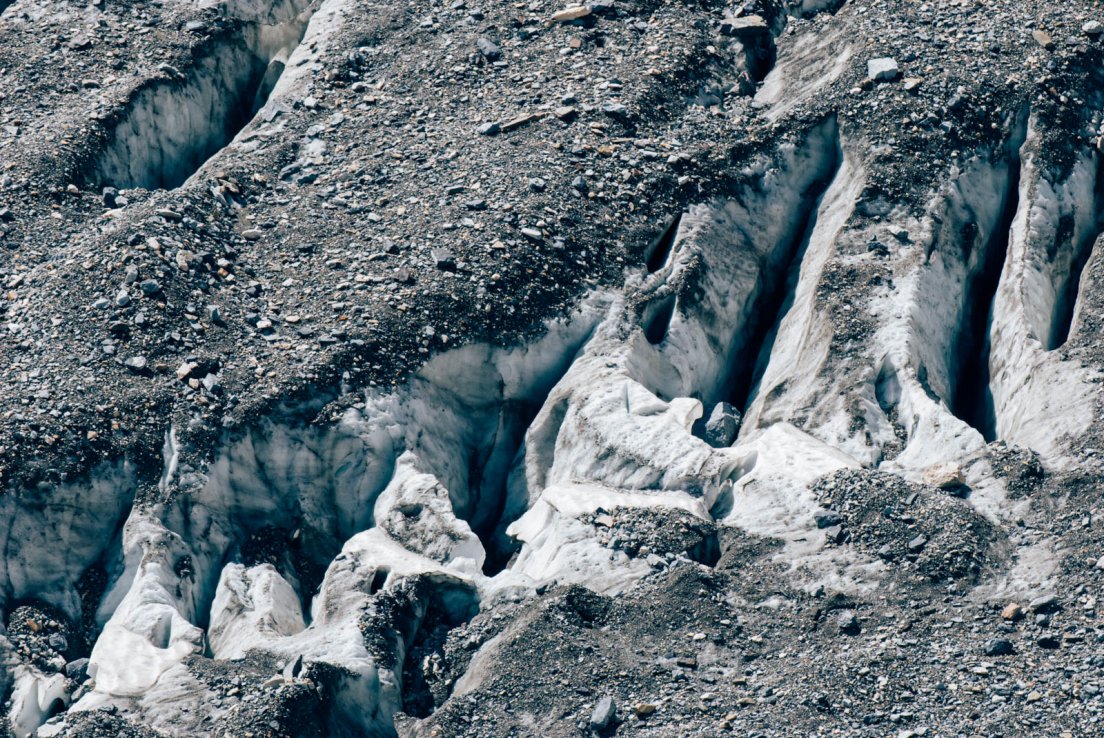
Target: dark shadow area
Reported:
point(660, 248)
point(972, 400)
point(448, 605)
point(778, 283)
point(657, 319)
point(708, 552)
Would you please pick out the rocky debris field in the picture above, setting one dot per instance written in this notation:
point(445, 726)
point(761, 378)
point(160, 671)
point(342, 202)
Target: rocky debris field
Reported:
point(635, 367)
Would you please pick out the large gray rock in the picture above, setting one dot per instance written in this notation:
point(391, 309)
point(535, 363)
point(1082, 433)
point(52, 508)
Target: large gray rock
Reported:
point(722, 426)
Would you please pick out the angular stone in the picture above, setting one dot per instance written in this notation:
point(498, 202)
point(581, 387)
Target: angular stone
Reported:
point(945, 476)
point(604, 713)
point(444, 259)
point(722, 426)
point(489, 49)
point(615, 110)
point(77, 670)
point(1042, 38)
point(136, 364)
point(849, 624)
point(573, 13)
point(883, 69)
point(1044, 604)
point(748, 25)
point(521, 120)
point(1048, 642)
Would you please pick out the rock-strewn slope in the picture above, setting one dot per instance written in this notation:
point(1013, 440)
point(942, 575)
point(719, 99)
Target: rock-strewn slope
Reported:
point(659, 368)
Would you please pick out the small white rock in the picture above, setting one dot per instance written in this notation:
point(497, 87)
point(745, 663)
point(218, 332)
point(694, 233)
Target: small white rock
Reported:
point(883, 69)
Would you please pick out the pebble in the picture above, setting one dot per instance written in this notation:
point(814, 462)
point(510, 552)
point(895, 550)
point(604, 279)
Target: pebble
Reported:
point(444, 259)
point(489, 49)
point(1044, 604)
point(1012, 612)
point(849, 624)
point(747, 25)
point(136, 364)
point(1043, 39)
point(575, 12)
point(998, 647)
point(883, 69)
point(604, 713)
point(615, 110)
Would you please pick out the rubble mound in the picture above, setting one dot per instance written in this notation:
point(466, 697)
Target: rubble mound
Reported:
point(907, 525)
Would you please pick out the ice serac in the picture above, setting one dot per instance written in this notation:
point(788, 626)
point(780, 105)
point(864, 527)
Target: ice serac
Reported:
point(329, 553)
point(904, 375)
point(618, 430)
point(331, 549)
point(296, 534)
point(1043, 397)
